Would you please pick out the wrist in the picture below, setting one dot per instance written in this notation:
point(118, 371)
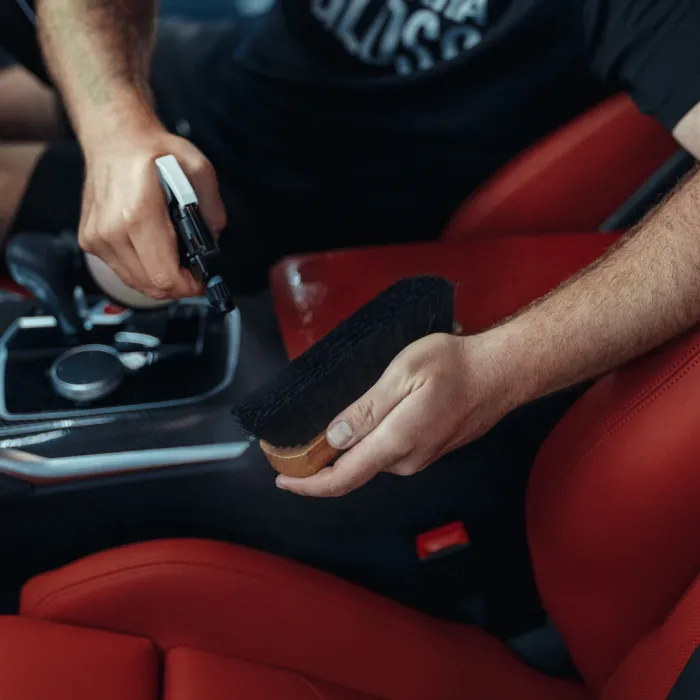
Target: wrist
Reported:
point(129, 112)
point(511, 365)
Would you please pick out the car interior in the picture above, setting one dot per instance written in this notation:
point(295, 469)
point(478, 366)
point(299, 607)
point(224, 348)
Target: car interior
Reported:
point(125, 573)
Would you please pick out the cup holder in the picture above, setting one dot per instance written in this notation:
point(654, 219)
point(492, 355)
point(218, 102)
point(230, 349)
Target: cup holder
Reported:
point(191, 356)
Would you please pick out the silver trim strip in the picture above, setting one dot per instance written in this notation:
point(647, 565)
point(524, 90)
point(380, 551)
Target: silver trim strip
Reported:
point(133, 338)
point(233, 326)
point(31, 322)
point(32, 467)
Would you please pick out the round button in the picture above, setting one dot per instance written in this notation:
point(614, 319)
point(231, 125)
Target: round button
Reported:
point(87, 373)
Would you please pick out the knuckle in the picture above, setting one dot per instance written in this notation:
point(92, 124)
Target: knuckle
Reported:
point(201, 165)
point(366, 411)
point(334, 488)
point(162, 282)
point(220, 219)
point(111, 236)
point(397, 448)
point(87, 244)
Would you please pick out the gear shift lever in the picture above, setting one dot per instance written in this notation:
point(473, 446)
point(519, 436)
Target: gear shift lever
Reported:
point(47, 265)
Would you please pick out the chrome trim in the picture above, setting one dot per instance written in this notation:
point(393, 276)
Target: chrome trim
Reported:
point(31, 467)
point(14, 430)
point(233, 326)
point(31, 322)
point(81, 307)
point(146, 340)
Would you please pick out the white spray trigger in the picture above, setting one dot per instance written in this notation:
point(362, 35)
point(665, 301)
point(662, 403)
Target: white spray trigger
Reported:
point(175, 182)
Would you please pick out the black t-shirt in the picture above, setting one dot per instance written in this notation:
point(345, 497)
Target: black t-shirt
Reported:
point(385, 114)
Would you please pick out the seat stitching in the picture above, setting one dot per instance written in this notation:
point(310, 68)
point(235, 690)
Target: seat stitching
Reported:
point(314, 690)
point(624, 419)
point(640, 402)
point(268, 665)
point(317, 594)
point(652, 386)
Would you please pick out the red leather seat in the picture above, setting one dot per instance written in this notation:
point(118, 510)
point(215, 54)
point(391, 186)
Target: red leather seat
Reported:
point(614, 537)
point(555, 185)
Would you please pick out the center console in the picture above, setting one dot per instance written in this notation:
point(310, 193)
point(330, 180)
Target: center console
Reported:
point(90, 388)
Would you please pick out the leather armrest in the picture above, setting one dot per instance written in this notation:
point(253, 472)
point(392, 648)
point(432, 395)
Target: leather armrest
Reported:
point(494, 278)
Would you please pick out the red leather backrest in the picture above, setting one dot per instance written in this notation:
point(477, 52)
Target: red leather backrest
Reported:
point(573, 179)
point(613, 507)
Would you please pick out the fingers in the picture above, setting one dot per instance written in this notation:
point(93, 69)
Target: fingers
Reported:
point(330, 482)
point(361, 418)
point(371, 432)
point(155, 242)
point(128, 260)
point(202, 176)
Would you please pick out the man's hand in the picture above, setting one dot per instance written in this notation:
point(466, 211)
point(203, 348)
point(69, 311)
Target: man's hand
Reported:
point(438, 394)
point(125, 221)
point(98, 54)
point(442, 392)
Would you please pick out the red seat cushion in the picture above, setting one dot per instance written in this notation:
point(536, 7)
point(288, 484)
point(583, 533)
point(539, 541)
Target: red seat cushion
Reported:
point(235, 623)
point(237, 603)
point(193, 674)
point(494, 278)
point(47, 661)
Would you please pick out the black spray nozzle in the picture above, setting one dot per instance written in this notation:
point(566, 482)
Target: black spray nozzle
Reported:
point(200, 251)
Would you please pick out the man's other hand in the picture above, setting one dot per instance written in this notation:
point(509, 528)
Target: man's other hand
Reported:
point(125, 221)
point(438, 394)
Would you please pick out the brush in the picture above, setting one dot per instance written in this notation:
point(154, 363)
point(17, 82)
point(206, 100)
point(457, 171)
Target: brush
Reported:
point(290, 414)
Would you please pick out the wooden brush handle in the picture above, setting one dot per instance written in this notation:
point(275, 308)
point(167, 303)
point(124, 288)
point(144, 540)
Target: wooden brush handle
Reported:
point(301, 461)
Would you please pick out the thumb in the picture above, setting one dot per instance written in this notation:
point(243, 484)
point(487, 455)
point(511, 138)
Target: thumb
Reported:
point(362, 417)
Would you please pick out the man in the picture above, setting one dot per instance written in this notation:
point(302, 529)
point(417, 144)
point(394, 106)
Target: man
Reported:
point(329, 122)
point(372, 120)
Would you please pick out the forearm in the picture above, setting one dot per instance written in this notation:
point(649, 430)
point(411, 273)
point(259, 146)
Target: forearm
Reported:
point(643, 292)
point(98, 53)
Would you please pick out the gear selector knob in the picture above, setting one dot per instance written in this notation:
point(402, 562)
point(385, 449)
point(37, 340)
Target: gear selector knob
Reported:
point(46, 265)
point(115, 289)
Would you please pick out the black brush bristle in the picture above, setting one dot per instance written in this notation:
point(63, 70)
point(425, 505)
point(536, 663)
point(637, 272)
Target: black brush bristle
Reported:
point(299, 403)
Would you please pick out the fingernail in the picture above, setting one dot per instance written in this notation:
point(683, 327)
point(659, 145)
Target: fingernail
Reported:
point(281, 486)
point(339, 434)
